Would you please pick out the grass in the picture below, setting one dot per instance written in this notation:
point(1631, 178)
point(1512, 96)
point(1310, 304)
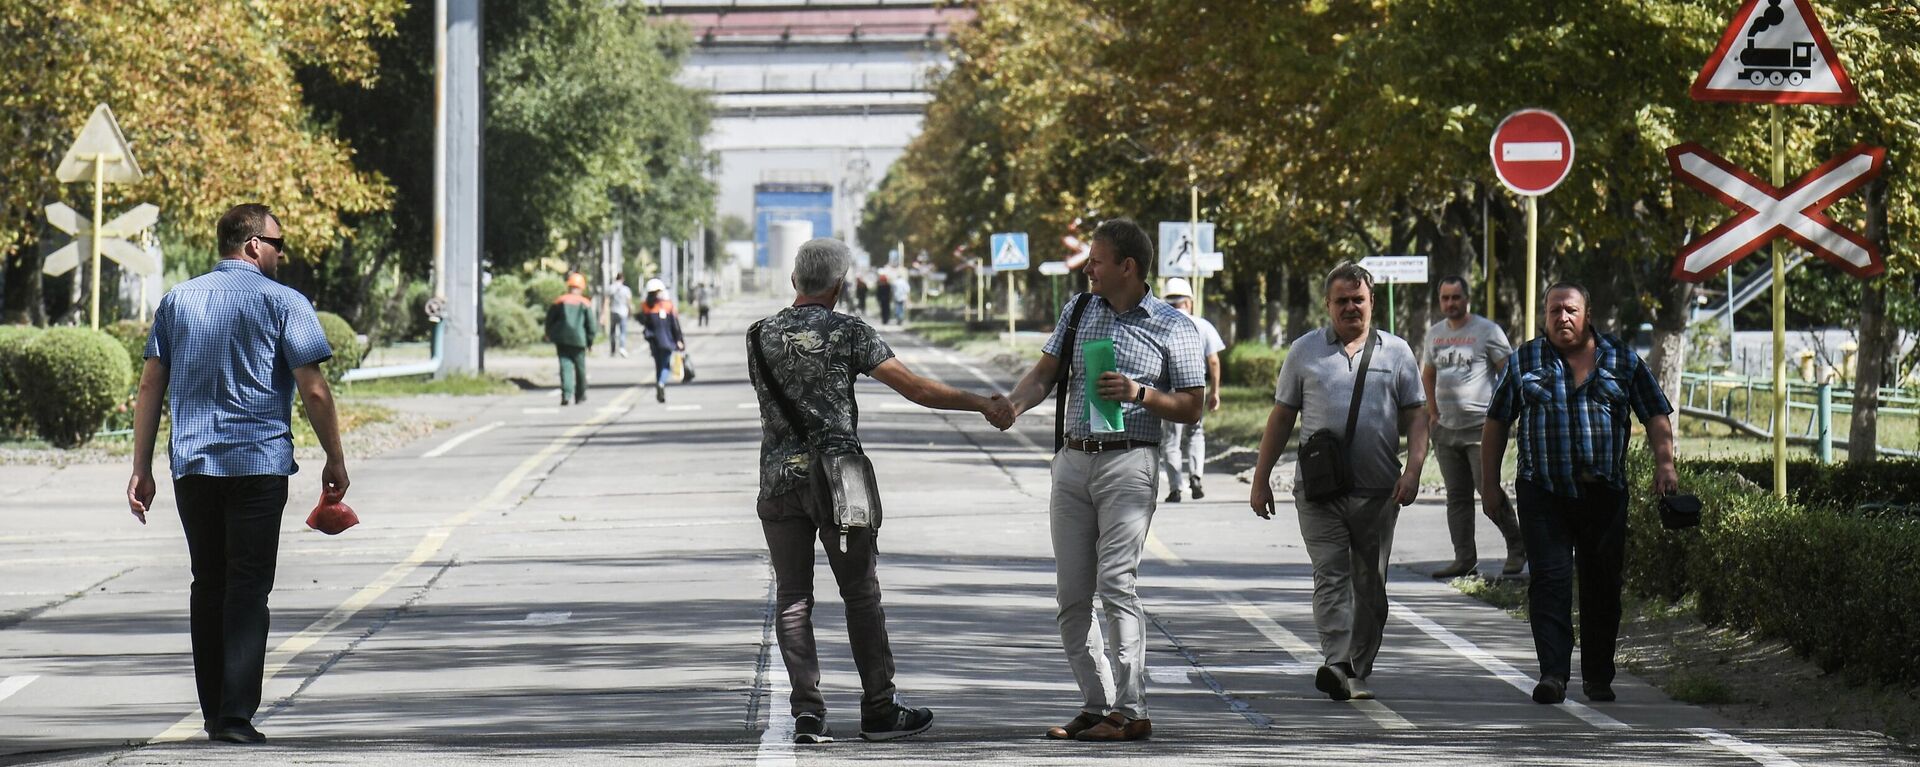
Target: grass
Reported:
point(1507, 594)
point(1698, 687)
point(460, 385)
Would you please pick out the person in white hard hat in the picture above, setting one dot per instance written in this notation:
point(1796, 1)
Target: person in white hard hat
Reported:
point(1183, 454)
point(661, 321)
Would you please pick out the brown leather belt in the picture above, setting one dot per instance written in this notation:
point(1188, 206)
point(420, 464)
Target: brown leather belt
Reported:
point(1096, 447)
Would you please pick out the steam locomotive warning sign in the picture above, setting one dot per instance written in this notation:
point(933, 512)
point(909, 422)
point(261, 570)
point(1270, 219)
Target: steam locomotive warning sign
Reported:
point(1775, 52)
point(1766, 212)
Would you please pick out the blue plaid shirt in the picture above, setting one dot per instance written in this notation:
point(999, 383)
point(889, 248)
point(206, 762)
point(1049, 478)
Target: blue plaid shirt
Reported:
point(231, 339)
point(1153, 343)
point(1572, 432)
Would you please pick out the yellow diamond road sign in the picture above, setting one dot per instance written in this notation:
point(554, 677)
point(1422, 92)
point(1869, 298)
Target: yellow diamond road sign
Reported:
point(100, 139)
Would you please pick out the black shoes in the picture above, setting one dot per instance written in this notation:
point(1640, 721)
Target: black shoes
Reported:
point(902, 722)
point(810, 728)
point(1550, 690)
point(1458, 568)
point(659, 393)
point(1198, 491)
point(1173, 496)
point(1598, 692)
point(1332, 680)
point(235, 731)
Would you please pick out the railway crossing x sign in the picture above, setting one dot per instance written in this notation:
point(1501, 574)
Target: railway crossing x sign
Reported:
point(1767, 212)
point(112, 239)
point(1775, 52)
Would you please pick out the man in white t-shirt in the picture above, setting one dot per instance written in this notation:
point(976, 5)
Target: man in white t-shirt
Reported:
point(1465, 355)
point(1183, 452)
point(619, 308)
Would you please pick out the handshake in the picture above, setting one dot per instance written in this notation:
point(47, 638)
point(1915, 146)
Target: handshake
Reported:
point(999, 411)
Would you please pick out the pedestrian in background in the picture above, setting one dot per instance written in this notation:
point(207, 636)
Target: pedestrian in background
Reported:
point(619, 308)
point(861, 296)
point(661, 321)
point(1183, 452)
point(570, 327)
point(227, 352)
point(1362, 387)
point(808, 356)
point(1574, 392)
point(1105, 482)
point(883, 293)
point(1465, 355)
point(703, 301)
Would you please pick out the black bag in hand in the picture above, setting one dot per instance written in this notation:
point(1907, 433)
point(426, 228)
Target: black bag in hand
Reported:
point(1325, 471)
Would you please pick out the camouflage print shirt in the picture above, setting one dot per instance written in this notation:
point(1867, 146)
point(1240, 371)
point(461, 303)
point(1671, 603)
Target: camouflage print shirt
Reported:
point(812, 354)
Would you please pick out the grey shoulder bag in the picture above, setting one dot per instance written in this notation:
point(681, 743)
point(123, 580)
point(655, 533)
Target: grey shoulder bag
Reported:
point(845, 493)
point(1326, 465)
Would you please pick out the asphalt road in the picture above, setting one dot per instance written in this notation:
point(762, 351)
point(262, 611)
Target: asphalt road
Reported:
point(590, 584)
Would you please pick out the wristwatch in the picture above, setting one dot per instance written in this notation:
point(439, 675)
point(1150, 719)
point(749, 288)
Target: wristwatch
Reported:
point(1140, 396)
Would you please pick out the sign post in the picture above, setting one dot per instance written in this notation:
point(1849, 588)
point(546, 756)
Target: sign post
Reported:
point(1394, 270)
point(1010, 255)
point(99, 151)
point(1786, 58)
point(1532, 152)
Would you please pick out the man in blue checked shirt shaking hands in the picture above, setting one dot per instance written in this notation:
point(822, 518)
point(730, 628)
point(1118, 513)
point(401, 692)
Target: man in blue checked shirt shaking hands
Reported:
point(228, 350)
point(1573, 393)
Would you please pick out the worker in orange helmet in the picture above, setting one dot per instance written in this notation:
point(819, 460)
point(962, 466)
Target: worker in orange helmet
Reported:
point(570, 327)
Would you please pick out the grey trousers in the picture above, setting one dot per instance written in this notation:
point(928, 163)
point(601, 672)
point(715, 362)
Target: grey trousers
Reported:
point(1100, 509)
point(1458, 452)
point(1183, 452)
point(1349, 541)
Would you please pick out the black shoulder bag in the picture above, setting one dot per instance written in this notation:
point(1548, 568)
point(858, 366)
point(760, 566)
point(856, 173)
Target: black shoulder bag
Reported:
point(845, 492)
point(1065, 370)
point(1326, 462)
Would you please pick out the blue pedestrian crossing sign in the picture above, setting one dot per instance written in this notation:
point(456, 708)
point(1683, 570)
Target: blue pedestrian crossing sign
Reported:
point(1009, 251)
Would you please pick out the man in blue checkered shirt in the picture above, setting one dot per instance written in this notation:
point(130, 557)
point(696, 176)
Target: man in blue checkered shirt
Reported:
point(1573, 392)
point(227, 351)
point(1105, 483)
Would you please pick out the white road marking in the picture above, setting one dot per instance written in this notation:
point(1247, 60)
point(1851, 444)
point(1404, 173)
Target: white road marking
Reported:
point(429, 545)
point(682, 408)
point(539, 410)
point(540, 619)
point(458, 441)
point(1756, 752)
point(1170, 675)
point(1500, 669)
point(776, 741)
point(1302, 653)
point(13, 684)
point(747, 406)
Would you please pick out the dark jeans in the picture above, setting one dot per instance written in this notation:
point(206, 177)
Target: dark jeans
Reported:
point(233, 538)
point(788, 523)
point(1587, 535)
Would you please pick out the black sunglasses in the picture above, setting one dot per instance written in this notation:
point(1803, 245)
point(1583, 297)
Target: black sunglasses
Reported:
point(279, 243)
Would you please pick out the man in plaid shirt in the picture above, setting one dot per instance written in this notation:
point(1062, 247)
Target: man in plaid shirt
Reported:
point(1572, 392)
point(1105, 483)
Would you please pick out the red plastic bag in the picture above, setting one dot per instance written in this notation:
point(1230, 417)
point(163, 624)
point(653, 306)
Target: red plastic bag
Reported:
point(331, 515)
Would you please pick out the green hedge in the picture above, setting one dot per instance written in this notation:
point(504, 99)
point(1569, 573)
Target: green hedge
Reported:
point(1843, 486)
point(1251, 363)
point(87, 373)
point(1842, 588)
point(132, 335)
point(347, 351)
point(511, 324)
point(543, 288)
point(13, 408)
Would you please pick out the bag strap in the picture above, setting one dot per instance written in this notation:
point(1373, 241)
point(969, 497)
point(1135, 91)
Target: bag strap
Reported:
point(772, 386)
point(1359, 389)
point(1065, 371)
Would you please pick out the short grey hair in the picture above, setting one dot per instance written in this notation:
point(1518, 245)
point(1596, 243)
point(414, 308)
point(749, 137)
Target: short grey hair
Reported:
point(821, 265)
point(1349, 272)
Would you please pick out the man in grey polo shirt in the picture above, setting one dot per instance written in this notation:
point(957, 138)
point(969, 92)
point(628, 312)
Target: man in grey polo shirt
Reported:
point(1105, 483)
point(1465, 354)
point(1349, 538)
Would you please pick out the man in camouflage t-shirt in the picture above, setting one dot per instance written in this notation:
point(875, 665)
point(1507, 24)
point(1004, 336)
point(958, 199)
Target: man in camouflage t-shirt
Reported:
point(813, 356)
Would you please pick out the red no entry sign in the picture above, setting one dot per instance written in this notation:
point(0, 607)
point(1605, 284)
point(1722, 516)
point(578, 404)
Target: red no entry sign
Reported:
point(1766, 212)
point(1532, 151)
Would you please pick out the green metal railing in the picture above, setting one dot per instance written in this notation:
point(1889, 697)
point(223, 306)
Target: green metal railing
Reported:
point(1712, 396)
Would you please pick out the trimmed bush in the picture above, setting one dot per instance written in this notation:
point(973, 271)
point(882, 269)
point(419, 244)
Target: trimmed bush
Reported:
point(1251, 363)
point(1841, 588)
point(132, 335)
point(85, 372)
point(507, 286)
point(1842, 486)
point(13, 408)
point(510, 323)
point(347, 352)
point(543, 288)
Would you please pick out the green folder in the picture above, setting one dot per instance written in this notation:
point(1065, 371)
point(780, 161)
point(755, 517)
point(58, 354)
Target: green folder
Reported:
point(1103, 415)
